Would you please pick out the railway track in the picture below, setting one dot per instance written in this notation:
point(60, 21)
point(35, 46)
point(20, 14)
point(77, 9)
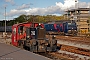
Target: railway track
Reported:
point(69, 53)
point(74, 47)
point(56, 56)
point(76, 50)
point(62, 55)
point(72, 52)
point(77, 38)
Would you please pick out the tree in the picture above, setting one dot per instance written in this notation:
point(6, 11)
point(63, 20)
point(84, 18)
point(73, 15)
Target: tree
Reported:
point(21, 19)
point(35, 18)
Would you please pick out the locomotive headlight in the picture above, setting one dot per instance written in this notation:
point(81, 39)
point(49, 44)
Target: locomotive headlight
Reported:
point(28, 36)
point(75, 30)
point(42, 47)
point(46, 43)
point(69, 30)
point(39, 24)
point(53, 37)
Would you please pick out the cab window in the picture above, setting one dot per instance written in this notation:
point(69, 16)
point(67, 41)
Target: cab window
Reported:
point(20, 29)
point(14, 31)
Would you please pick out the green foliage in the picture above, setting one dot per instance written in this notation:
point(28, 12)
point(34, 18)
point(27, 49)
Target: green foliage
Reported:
point(35, 18)
point(20, 19)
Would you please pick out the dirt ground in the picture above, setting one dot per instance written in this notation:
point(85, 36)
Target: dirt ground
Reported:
point(6, 39)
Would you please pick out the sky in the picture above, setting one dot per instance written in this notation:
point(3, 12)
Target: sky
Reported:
point(15, 8)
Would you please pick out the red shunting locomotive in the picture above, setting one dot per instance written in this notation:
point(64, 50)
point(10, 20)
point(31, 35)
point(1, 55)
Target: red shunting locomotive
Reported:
point(33, 37)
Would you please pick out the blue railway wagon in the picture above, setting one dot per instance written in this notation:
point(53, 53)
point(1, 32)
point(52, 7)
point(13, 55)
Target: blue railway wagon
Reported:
point(65, 27)
point(50, 27)
point(54, 28)
point(69, 28)
point(59, 27)
point(8, 29)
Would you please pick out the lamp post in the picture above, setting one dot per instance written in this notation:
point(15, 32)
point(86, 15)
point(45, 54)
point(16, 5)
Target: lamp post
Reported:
point(5, 23)
point(75, 7)
point(77, 19)
point(67, 12)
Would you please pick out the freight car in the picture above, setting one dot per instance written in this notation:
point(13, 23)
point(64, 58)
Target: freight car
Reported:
point(33, 37)
point(65, 28)
point(8, 28)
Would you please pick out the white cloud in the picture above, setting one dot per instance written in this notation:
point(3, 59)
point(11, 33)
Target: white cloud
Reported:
point(24, 6)
point(59, 8)
point(10, 1)
point(67, 4)
point(15, 12)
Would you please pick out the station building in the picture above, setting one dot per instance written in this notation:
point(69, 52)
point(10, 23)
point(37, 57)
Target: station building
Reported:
point(82, 17)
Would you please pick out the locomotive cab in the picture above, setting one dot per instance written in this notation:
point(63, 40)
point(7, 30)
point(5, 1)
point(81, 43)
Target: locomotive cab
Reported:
point(35, 39)
point(35, 33)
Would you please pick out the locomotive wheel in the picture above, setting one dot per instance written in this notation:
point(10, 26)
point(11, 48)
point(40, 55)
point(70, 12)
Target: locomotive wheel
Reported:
point(20, 44)
point(30, 48)
point(33, 48)
point(41, 47)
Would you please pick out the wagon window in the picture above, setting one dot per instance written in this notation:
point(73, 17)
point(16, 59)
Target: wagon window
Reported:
point(14, 30)
point(20, 29)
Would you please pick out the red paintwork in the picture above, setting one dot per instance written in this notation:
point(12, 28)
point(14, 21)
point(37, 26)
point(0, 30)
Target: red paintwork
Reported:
point(17, 36)
point(36, 24)
point(42, 25)
point(56, 27)
point(61, 25)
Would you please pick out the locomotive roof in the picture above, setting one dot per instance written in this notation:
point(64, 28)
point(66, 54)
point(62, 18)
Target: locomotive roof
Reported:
point(15, 25)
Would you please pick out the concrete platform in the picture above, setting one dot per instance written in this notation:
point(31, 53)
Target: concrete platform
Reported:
point(8, 52)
